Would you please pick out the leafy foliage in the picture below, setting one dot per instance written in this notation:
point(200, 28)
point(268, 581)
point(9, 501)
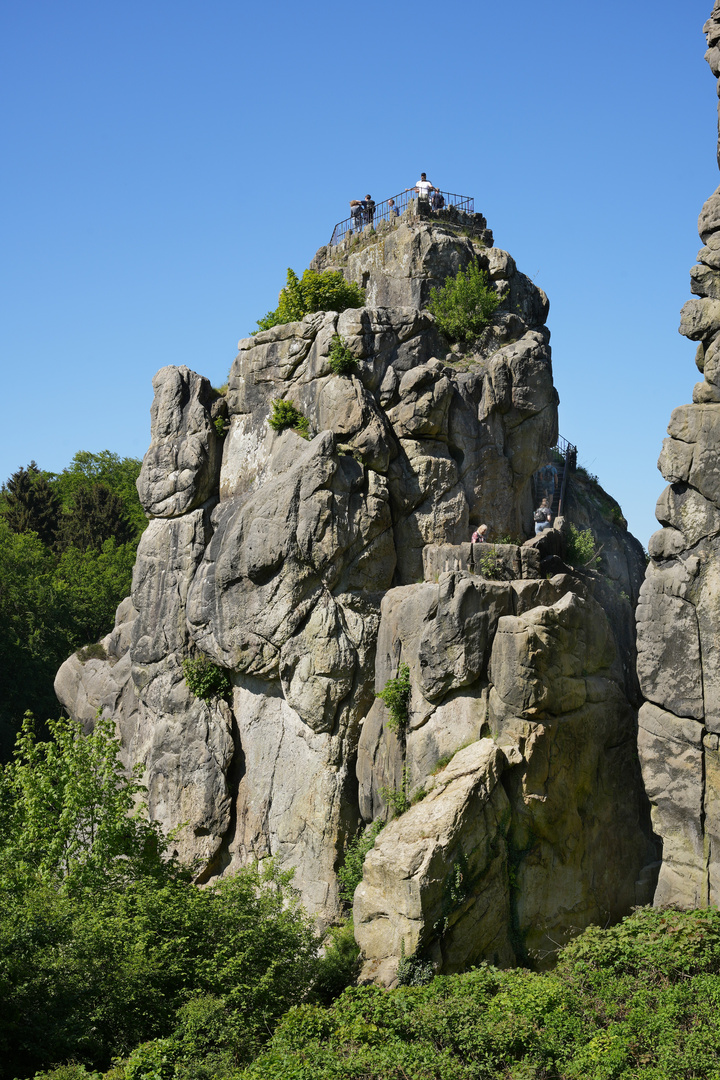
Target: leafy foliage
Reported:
point(580, 547)
point(31, 505)
point(350, 873)
point(104, 940)
point(107, 468)
point(67, 549)
point(489, 563)
point(397, 798)
point(339, 965)
point(413, 970)
point(465, 304)
point(50, 605)
point(396, 695)
point(70, 815)
point(285, 415)
point(638, 1001)
point(325, 290)
point(206, 679)
point(341, 361)
point(97, 515)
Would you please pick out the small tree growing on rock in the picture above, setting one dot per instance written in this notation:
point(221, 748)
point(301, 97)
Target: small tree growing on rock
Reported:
point(465, 304)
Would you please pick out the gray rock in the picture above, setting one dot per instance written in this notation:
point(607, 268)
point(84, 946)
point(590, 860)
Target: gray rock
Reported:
point(700, 318)
point(672, 765)
point(668, 642)
point(311, 569)
point(404, 900)
point(709, 220)
point(180, 470)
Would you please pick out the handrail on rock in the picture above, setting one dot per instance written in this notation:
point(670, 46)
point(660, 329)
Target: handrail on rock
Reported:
point(568, 453)
point(383, 211)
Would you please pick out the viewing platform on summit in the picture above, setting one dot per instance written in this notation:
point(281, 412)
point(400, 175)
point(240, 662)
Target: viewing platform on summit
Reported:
point(442, 204)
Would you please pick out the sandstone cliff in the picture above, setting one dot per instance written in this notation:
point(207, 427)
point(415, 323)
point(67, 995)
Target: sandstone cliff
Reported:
point(679, 611)
point(312, 569)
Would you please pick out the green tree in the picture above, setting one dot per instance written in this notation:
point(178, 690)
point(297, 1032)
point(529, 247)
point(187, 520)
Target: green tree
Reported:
point(105, 467)
point(96, 515)
point(88, 586)
point(70, 815)
point(465, 305)
point(104, 940)
point(30, 504)
point(325, 290)
point(33, 635)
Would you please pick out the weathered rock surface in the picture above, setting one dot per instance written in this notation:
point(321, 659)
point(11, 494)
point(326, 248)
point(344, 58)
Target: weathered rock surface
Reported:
point(436, 880)
point(679, 611)
point(311, 569)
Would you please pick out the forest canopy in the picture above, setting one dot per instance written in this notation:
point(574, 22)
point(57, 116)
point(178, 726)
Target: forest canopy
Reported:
point(67, 548)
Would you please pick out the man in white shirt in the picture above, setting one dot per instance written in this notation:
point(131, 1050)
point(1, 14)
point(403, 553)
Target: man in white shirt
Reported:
point(424, 187)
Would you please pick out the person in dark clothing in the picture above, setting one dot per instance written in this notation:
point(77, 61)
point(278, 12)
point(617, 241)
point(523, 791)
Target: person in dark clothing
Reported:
point(369, 209)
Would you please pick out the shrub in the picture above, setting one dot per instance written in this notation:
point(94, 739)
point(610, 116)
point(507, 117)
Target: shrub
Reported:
point(207, 680)
point(219, 425)
point(488, 563)
point(638, 1001)
point(95, 651)
point(325, 290)
point(285, 415)
point(397, 798)
point(396, 695)
point(350, 873)
point(341, 361)
point(339, 965)
point(465, 304)
point(580, 548)
point(413, 970)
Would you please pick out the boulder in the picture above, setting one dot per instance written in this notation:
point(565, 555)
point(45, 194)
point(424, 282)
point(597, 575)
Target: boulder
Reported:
point(436, 882)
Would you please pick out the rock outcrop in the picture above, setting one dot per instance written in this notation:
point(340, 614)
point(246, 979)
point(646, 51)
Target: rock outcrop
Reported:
point(679, 611)
point(311, 569)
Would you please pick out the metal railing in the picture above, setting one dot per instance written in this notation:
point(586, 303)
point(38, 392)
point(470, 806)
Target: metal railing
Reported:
point(566, 452)
point(391, 209)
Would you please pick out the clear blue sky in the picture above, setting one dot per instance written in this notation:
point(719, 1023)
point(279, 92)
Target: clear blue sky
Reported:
point(164, 163)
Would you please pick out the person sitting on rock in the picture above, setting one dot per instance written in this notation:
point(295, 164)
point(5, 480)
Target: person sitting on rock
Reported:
point(478, 537)
point(542, 517)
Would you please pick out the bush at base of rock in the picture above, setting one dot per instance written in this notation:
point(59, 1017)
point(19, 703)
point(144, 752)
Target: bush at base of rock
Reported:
point(639, 1000)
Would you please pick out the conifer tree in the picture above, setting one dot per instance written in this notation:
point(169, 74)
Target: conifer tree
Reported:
point(31, 504)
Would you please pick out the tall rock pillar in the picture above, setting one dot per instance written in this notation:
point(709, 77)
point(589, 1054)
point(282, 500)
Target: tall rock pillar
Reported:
point(678, 617)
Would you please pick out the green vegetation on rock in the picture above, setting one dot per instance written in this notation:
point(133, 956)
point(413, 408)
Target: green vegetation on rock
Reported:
point(350, 873)
point(341, 361)
point(325, 290)
point(580, 547)
point(465, 304)
point(285, 415)
point(396, 695)
point(207, 680)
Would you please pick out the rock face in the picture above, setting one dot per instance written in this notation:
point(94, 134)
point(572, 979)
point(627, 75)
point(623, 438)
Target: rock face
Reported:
point(679, 611)
point(310, 569)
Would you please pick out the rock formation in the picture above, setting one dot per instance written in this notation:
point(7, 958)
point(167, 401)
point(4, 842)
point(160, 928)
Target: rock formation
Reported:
point(679, 611)
point(311, 569)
